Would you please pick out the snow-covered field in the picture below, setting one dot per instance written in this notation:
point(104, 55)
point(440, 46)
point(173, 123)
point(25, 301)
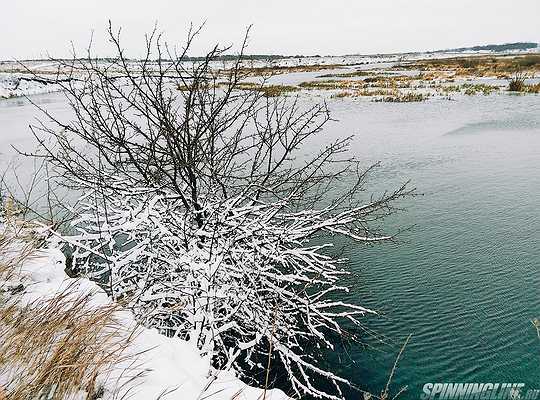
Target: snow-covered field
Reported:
point(12, 86)
point(16, 77)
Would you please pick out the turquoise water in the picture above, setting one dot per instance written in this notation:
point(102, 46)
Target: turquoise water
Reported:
point(464, 281)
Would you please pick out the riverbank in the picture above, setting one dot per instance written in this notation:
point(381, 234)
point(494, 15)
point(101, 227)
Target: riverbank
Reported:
point(63, 336)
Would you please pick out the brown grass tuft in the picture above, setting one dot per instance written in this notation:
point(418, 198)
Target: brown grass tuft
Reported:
point(56, 346)
point(478, 66)
point(267, 90)
point(517, 83)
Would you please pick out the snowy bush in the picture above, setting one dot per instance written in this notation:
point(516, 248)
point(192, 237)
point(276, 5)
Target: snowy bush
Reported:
point(200, 207)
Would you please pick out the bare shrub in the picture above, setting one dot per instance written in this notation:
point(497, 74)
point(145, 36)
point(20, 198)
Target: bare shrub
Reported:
point(517, 83)
point(210, 209)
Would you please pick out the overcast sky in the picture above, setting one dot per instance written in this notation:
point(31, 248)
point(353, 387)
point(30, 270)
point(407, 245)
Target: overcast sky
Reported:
point(31, 28)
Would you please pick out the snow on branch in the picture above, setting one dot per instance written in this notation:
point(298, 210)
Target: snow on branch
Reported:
point(208, 208)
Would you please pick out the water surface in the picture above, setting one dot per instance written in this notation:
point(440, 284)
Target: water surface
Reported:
point(464, 282)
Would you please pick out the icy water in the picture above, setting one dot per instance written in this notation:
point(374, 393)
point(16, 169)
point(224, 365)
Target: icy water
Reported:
point(464, 281)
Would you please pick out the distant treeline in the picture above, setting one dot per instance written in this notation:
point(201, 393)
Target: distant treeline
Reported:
point(494, 47)
point(254, 57)
point(228, 57)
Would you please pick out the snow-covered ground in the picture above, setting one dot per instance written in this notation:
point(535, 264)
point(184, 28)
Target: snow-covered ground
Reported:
point(155, 365)
point(12, 86)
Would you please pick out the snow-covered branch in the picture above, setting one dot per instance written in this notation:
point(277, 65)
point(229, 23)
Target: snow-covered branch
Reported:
point(206, 208)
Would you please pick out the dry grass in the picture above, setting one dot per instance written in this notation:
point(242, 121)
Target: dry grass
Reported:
point(17, 245)
point(328, 84)
point(528, 60)
point(517, 86)
point(267, 90)
point(278, 70)
point(373, 81)
point(380, 88)
point(53, 347)
point(341, 95)
point(378, 92)
point(409, 97)
point(478, 66)
point(436, 77)
point(533, 88)
point(517, 83)
point(469, 89)
point(385, 393)
point(187, 88)
point(58, 346)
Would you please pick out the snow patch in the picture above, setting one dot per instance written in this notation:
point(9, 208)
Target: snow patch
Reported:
point(11, 85)
point(158, 366)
